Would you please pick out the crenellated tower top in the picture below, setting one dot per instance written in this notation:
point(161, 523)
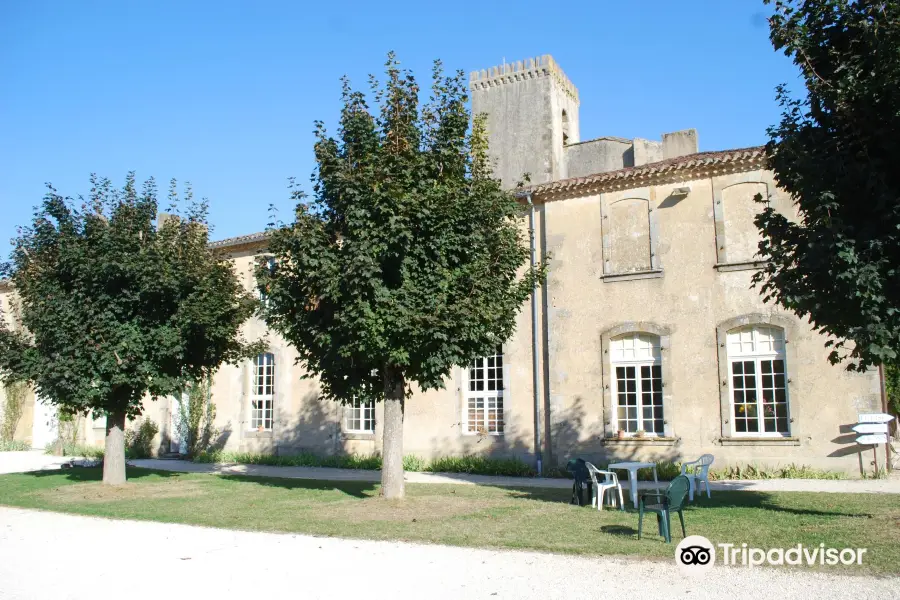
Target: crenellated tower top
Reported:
point(531, 68)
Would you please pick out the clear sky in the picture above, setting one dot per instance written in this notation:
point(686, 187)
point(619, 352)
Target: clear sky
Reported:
point(224, 93)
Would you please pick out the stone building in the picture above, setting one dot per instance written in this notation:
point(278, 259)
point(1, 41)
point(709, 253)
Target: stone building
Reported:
point(646, 342)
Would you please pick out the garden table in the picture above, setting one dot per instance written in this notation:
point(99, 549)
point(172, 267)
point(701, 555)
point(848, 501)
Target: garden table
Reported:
point(632, 468)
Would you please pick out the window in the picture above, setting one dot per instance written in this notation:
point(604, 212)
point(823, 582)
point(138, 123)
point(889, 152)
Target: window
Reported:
point(263, 296)
point(262, 394)
point(484, 395)
point(758, 375)
point(359, 416)
point(637, 369)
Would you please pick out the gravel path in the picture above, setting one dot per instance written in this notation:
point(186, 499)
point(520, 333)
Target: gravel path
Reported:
point(48, 555)
point(868, 486)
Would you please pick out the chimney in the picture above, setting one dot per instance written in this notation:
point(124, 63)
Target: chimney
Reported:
point(679, 143)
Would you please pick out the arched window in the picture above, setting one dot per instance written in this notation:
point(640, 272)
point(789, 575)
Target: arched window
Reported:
point(758, 381)
point(637, 381)
point(262, 392)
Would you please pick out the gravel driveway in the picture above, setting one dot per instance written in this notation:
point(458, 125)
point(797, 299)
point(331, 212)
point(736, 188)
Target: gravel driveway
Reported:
point(49, 555)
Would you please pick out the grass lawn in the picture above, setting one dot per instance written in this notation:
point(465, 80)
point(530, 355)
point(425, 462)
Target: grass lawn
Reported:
point(464, 515)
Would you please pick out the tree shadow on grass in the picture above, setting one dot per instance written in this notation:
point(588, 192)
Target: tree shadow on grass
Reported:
point(619, 530)
point(89, 474)
point(765, 501)
point(357, 489)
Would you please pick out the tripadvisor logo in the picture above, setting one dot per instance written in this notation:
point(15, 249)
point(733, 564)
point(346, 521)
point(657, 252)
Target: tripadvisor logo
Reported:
point(696, 554)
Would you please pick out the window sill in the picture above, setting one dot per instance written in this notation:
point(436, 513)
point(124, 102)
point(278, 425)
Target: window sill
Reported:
point(651, 274)
point(358, 435)
point(487, 435)
point(644, 441)
point(759, 441)
point(751, 265)
point(258, 434)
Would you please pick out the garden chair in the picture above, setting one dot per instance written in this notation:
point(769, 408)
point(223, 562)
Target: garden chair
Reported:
point(578, 468)
point(607, 481)
point(698, 472)
point(664, 505)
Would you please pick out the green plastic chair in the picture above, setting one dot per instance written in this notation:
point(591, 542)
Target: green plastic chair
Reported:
point(665, 504)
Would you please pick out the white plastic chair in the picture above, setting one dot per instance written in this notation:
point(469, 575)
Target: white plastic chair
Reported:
point(608, 483)
point(697, 472)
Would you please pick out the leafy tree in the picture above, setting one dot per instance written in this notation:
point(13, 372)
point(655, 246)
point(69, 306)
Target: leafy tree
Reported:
point(410, 257)
point(117, 307)
point(836, 151)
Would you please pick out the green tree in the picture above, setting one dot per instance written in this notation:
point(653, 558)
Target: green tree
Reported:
point(409, 259)
point(836, 151)
point(118, 306)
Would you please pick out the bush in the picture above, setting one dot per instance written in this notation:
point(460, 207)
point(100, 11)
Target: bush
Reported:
point(13, 446)
point(414, 463)
point(12, 409)
point(71, 449)
point(480, 465)
point(792, 471)
point(476, 465)
point(139, 442)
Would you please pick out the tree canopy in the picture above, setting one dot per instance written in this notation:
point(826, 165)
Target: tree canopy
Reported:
point(116, 305)
point(836, 151)
point(408, 259)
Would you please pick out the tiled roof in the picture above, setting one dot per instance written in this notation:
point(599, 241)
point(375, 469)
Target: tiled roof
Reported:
point(736, 160)
point(240, 240)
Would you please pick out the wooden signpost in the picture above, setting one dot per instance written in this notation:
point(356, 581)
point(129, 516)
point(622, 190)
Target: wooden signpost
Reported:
point(874, 430)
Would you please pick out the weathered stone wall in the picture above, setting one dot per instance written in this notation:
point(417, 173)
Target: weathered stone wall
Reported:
point(693, 302)
point(596, 156)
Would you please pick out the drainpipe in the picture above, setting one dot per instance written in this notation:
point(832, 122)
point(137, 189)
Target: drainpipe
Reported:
point(534, 347)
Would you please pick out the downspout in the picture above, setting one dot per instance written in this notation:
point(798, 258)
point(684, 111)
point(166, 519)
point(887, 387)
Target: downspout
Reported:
point(535, 363)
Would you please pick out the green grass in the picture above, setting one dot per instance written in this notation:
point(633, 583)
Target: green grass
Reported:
point(462, 515)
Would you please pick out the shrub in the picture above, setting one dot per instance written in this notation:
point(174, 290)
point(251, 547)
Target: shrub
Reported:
point(196, 415)
point(480, 465)
point(13, 446)
point(791, 471)
point(12, 409)
point(139, 442)
point(414, 463)
point(71, 449)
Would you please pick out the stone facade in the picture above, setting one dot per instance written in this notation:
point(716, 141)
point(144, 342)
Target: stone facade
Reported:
point(647, 323)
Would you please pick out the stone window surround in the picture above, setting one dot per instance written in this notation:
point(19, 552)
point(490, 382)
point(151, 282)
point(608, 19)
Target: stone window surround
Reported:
point(647, 194)
point(664, 334)
point(789, 327)
point(247, 374)
point(718, 188)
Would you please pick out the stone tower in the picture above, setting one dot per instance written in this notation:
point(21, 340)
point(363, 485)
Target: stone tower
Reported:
point(532, 112)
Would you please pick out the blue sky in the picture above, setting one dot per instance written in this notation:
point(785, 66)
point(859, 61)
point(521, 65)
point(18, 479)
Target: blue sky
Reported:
point(224, 94)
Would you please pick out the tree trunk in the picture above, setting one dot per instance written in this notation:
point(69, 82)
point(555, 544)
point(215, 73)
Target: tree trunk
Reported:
point(114, 454)
point(392, 485)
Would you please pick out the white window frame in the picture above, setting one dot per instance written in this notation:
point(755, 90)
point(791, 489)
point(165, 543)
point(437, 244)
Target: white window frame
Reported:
point(758, 349)
point(492, 400)
point(262, 393)
point(361, 411)
point(636, 350)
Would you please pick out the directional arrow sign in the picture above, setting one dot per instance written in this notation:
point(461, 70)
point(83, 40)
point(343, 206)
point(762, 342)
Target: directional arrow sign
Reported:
point(871, 428)
point(875, 418)
point(875, 438)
